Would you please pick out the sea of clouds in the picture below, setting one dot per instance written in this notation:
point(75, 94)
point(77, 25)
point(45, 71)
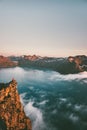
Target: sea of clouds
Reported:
point(38, 88)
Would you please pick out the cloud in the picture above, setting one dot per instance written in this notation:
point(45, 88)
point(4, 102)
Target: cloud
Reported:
point(41, 76)
point(59, 77)
point(73, 118)
point(43, 102)
point(35, 115)
point(63, 100)
point(78, 107)
point(22, 98)
point(52, 98)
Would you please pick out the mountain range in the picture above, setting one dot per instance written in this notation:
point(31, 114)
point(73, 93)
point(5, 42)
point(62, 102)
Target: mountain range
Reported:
point(71, 64)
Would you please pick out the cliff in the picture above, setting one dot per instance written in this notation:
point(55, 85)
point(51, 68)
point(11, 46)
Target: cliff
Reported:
point(12, 115)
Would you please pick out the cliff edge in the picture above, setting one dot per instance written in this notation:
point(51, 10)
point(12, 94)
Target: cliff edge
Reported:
point(12, 115)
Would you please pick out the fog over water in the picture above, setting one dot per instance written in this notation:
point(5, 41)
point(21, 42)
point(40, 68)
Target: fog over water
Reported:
point(51, 100)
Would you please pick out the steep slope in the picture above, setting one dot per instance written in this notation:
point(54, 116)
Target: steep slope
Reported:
point(12, 116)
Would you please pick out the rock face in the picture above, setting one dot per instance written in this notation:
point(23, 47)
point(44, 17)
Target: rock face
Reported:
point(80, 62)
point(6, 62)
point(12, 115)
point(31, 58)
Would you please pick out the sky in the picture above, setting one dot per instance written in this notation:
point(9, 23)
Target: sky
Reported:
point(43, 27)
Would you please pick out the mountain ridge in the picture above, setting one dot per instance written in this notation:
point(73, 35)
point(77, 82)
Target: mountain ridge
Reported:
point(68, 65)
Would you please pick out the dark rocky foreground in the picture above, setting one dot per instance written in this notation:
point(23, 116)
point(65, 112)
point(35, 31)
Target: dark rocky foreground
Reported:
point(12, 115)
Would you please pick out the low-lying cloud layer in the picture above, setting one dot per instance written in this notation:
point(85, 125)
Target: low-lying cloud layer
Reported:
point(51, 100)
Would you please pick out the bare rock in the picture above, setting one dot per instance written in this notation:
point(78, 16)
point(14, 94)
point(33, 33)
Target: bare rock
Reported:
point(12, 115)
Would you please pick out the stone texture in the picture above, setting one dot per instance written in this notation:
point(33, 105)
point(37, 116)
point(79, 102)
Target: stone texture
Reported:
point(12, 115)
point(6, 62)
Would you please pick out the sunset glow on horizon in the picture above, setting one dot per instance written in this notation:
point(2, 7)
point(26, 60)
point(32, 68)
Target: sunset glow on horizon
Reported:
point(43, 27)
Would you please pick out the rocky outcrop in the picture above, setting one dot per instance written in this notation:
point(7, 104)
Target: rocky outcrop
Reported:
point(12, 115)
point(80, 62)
point(31, 58)
point(6, 62)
